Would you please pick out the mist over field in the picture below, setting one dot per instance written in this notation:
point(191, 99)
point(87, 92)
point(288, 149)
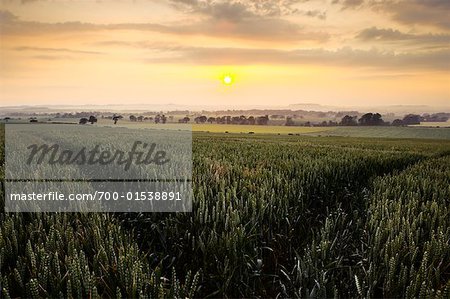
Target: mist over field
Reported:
point(396, 109)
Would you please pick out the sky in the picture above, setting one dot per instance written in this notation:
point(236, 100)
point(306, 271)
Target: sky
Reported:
point(277, 52)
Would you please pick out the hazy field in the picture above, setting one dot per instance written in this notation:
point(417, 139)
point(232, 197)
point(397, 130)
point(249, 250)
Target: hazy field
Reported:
point(389, 132)
point(218, 128)
point(370, 132)
point(434, 124)
point(425, 130)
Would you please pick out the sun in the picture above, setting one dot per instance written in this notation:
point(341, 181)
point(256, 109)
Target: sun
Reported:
point(227, 80)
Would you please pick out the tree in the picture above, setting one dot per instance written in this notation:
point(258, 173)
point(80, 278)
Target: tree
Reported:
point(262, 120)
point(184, 120)
point(163, 119)
point(251, 120)
point(116, 118)
point(220, 119)
point(332, 123)
point(235, 120)
point(348, 120)
point(200, 119)
point(7, 118)
point(411, 119)
point(83, 121)
point(140, 118)
point(211, 119)
point(92, 119)
point(377, 120)
point(371, 119)
point(289, 121)
point(397, 123)
point(435, 117)
point(132, 118)
point(366, 119)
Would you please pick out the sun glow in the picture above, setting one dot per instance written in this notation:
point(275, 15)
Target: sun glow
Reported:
point(227, 80)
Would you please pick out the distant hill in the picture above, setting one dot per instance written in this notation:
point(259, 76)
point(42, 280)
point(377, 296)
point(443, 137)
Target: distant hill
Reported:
point(301, 108)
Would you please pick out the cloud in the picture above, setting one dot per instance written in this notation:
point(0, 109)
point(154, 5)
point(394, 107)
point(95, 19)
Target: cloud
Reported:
point(247, 28)
point(393, 35)
point(348, 3)
point(346, 56)
point(421, 12)
point(316, 13)
point(410, 12)
point(261, 18)
point(236, 10)
point(57, 50)
point(437, 59)
point(6, 16)
point(259, 29)
point(51, 57)
point(12, 25)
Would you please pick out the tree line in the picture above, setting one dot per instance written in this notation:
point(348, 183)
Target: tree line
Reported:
point(375, 119)
point(367, 119)
point(234, 120)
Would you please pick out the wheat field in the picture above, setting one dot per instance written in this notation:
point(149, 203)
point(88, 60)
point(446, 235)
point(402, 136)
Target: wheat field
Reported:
point(273, 216)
